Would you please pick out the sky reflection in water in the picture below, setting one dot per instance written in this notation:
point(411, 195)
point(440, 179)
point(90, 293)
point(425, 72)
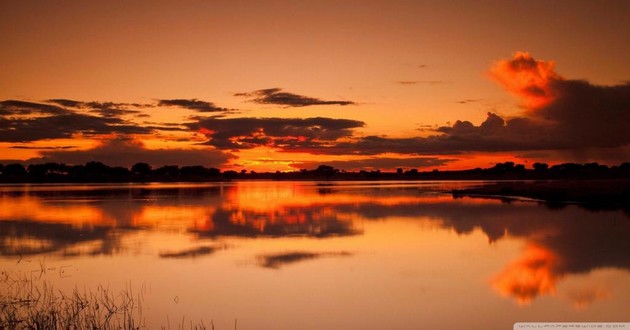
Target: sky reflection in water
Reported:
point(401, 249)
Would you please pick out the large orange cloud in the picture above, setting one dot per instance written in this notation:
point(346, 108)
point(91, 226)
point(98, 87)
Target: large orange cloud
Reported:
point(531, 79)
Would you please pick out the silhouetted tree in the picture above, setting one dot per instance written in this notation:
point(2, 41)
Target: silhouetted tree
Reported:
point(168, 170)
point(412, 172)
point(96, 168)
point(595, 167)
point(540, 167)
point(230, 174)
point(197, 170)
point(214, 171)
point(37, 170)
point(141, 168)
point(567, 168)
point(14, 169)
point(326, 171)
point(119, 172)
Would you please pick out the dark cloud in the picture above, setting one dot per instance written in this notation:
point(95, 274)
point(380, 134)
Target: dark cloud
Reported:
point(21, 108)
point(284, 133)
point(576, 113)
point(126, 152)
point(67, 103)
point(588, 115)
point(494, 134)
point(105, 109)
point(63, 126)
point(176, 127)
point(277, 96)
point(578, 117)
point(22, 121)
point(337, 136)
point(43, 148)
point(110, 109)
point(379, 163)
point(192, 104)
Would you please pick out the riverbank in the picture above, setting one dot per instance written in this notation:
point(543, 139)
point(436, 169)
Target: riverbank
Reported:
point(589, 193)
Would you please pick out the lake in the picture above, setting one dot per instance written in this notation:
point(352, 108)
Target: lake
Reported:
point(320, 255)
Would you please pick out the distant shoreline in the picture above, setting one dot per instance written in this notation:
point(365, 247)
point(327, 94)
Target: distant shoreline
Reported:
point(597, 194)
point(97, 172)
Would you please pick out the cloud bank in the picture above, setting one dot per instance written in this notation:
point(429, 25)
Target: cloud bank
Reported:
point(282, 133)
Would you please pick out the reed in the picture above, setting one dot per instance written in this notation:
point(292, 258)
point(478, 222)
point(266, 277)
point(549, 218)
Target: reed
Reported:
point(26, 303)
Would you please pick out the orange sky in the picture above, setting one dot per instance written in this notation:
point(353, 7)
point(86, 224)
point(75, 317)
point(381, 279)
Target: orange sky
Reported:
point(415, 84)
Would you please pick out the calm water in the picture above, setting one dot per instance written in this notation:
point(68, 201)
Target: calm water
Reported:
point(303, 255)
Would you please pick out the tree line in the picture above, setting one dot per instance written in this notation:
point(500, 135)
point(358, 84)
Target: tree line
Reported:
point(143, 172)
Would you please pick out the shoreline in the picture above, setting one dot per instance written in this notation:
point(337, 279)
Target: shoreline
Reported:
point(599, 194)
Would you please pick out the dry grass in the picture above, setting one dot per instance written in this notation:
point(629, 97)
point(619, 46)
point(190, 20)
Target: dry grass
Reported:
point(27, 303)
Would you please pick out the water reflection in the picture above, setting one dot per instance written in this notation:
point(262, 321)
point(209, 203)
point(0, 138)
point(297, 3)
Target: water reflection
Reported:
point(73, 221)
point(278, 260)
point(190, 253)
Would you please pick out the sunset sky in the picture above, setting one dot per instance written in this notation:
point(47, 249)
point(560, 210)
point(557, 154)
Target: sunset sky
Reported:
point(284, 85)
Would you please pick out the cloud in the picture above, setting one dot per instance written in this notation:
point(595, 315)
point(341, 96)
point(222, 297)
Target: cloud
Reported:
point(278, 97)
point(588, 115)
point(527, 78)
point(18, 108)
point(22, 121)
point(576, 114)
point(43, 148)
point(337, 136)
point(192, 104)
point(125, 152)
point(105, 109)
point(63, 126)
point(67, 103)
point(283, 133)
point(378, 163)
point(165, 126)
